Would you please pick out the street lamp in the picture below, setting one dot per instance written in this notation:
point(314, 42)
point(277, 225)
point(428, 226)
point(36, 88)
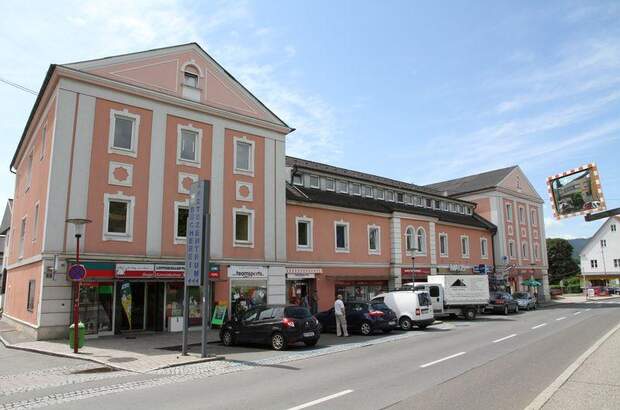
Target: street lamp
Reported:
point(79, 224)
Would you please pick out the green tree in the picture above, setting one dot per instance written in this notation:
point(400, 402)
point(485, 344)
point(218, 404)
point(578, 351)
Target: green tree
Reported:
point(577, 202)
point(561, 263)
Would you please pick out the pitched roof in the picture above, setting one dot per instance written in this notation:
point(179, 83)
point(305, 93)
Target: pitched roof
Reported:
point(343, 172)
point(6, 218)
point(472, 183)
point(312, 195)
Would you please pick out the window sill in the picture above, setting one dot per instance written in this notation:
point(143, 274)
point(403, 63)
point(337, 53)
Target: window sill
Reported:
point(465, 256)
point(180, 241)
point(444, 256)
point(342, 250)
point(117, 238)
point(374, 253)
point(304, 249)
point(243, 172)
point(122, 151)
point(189, 163)
point(243, 244)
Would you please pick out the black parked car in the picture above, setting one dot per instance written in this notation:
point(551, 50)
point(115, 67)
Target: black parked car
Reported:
point(362, 317)
point(502, 302)
point(277, 325)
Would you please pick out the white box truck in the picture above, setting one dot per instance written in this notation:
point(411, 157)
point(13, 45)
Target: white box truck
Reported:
point(464, 295)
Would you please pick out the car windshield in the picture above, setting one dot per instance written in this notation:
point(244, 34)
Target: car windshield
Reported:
point(297, 312)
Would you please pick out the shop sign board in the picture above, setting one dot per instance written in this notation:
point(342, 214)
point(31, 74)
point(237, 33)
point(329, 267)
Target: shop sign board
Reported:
point(135, 270)
point(576, 192)
point(214, 271)
point(482, 269)
point(169, 271)
point(248, 272)
point(219, 314)
point(453, 267)
point(302, 273)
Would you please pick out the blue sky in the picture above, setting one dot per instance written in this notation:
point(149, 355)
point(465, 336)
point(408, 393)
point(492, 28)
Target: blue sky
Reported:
point(414, 91)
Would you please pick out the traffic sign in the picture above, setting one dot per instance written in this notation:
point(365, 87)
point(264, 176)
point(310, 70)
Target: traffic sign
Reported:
point(77, 272)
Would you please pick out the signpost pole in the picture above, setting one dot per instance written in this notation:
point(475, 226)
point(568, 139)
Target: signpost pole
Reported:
point(206, 285)
point(185, 319)
point(76, 301)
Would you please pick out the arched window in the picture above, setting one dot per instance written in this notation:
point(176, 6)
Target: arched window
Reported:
point(421, 241)
point(409, 238)
point(190, 76)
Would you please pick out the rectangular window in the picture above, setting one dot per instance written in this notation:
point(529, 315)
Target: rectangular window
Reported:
point(342, 237)
point(616, 263)
point(443, 244)
point(511, 249)
point(190, 79)
point(243, 227)
point(593, 263)
point(374, 240)
point(484, 248)
point(468, 211)
point(400, 197)
point(182, 214)
point(533, 216)
point(465, 246)
point(298, 179)
point(438, 204)
point(521, 215)
point(536, 251)
point(118, 216)
point(29, 170)
point(428, 202)
point(389, 195)
point(123, 132)
point(603, 243)
point(43, 142)
point(368, 191)
point(380, 194)
point(509, 212)
point(22, 236)
point(35, 226)
point(315, 181)
point(304, 234)
point(407, 199)
point(613, 228)
point(189, 143)
point(444, 206)
point(244, 156)
point(356, 189)
point(451, 208)
point(31, 291)
point(524, 250)
point(330, 185)
point(343, 186)
point(418, 200)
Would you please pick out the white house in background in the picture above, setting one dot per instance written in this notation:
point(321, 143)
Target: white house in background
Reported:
point(600, 257)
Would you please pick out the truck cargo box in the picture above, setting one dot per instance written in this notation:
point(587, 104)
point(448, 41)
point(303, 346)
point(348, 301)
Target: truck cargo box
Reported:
point(463, 289)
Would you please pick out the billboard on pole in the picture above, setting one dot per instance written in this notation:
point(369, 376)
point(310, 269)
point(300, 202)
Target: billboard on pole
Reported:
point(576, 192)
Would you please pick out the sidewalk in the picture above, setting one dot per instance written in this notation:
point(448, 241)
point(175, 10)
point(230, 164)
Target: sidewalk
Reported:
point(596, 382)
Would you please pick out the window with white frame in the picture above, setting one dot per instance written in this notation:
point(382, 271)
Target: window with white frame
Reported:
point(244, 156)
point(315, 181)
point(534, 218)
point(29, 169)
point(22, 236)
point(484, 248)
point(118, 217)
point(460, 208)
point(330, 184)
point(356, 189)
point(409, 238)
point(511, 249)
point(444, 205)
point(123, 137)
point(243, 227)
point(443, 244)
point(190, 77)
point(188, 145)
point(438, 204)
point(380, 194)
point(509, 212)
point(43, 142)
point(343, 186)
point(593, 263)
point(400, 197)
point(304, 233)
point(468, 211)
point(421, 240)
point(465, 246)
point(521, 215)
point(368, 191)
point(524, 250)
point(181, 212)
point(407, 199)
point(452, 207)
point(536, 251)
point(389, 196)
point(428, 202)
point(298, 179)
point(374, 240)
point(341, 236)
point(418, 200)
point(35, 226)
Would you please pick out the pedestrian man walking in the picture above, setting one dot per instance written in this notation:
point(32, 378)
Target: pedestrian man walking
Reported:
point(341, 318)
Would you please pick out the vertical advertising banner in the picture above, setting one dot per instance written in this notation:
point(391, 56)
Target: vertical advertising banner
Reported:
point(193, 256)
point(126, 300)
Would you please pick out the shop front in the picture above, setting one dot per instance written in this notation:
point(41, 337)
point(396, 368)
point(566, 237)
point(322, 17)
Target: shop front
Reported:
point(415, 274)
point(301, 287)
point(360, 290)
point(248, 287)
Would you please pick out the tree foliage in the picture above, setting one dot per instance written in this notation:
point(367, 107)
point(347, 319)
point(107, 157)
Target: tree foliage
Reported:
point(561, 262)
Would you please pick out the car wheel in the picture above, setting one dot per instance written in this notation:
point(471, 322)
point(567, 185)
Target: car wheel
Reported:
point(278, 342)
point(365, 329)
point(505, 310)
point(228, 338)
point(405, 323)
point(470, 314)
point(310, 343)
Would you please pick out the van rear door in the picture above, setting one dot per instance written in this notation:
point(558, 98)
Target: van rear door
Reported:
point(436, 293)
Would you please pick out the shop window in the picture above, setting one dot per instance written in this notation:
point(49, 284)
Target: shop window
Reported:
point(118, 217)
point(243, 227)
point(315, 182)
point(421, 241)
point(465, 246)
point(342, 236)
point(374, 240)
point(123, 133)
point(304, 234)
point(180, 227)
point(189, 141)
point(443, 244)
point(31, 291)
point(246, 295)
point(330, 184)
point(244, 156)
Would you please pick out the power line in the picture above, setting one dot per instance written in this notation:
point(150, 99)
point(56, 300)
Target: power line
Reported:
point(20, 87)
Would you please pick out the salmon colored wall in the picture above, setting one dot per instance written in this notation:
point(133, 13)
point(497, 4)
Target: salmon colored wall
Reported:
point(171, 175)
point(324, 247)
point(483, 207)
point(98, 181)
point(419, 259)
point(258, 204)
point(24, 202)
point(16, 301)
point(454, 245)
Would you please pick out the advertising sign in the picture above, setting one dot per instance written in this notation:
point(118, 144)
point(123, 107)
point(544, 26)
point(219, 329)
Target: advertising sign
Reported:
point(195, 231)
point(135, 270)
point(219, 315)
point(126, 300)
point(247, 272)
point(576, 192)
point(169, 271)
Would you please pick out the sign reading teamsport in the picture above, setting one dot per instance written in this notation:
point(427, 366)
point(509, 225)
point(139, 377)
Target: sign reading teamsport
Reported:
point(248, 272)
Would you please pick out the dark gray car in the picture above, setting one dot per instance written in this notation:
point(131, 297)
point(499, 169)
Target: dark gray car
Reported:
point(525, 300)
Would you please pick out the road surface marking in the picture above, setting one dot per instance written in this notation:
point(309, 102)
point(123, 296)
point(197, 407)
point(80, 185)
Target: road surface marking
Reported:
point(588, 309)
point(504, 338)
point(540, 325)
point(561, 318)
point(321, 400)
point(576, 313)
point(442, 360)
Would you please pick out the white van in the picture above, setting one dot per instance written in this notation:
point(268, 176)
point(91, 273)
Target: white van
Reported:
point(411, 307)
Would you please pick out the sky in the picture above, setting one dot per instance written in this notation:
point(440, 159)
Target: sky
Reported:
point(416, 91)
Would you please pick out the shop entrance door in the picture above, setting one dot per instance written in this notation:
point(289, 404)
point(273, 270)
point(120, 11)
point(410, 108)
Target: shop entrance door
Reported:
point(130, 304)
point(155, 306)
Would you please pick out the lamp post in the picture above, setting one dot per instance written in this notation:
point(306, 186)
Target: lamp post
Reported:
point(79, 226)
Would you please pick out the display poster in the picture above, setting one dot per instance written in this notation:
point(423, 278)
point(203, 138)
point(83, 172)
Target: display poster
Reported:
point(219, 314)
point(126, 300)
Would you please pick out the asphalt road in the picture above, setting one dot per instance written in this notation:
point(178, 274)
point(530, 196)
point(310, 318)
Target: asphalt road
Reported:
point(494, 362)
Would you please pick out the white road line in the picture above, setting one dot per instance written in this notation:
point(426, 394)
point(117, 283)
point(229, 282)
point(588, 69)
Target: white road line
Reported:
point(321, 400)
point(561, 318)
point(540, 325)
point(504, 338)
point(443, 359)
point(576, 313)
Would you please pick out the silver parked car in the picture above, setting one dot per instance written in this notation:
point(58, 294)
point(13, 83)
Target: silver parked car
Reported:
point(525, 300)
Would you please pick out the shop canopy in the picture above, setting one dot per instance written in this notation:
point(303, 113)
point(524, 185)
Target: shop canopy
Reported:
point(531, 282)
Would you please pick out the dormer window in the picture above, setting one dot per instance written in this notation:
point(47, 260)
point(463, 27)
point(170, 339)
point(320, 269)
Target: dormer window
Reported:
point(297, 179)
point(191, 82)
point(190, 76)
